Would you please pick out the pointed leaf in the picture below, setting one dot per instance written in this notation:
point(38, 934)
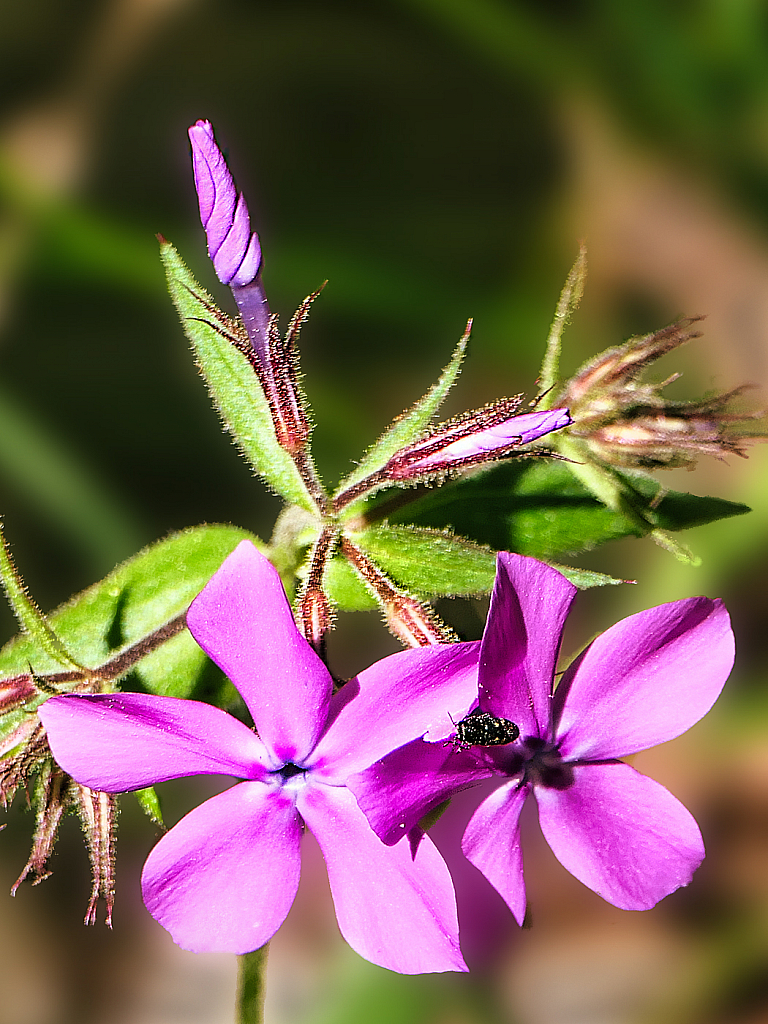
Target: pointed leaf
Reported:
point(132, 602)
point(30, 618)
point(409, 425)
point(569, 300)
point(149, 802)
point(539, 508)
point(233, 384)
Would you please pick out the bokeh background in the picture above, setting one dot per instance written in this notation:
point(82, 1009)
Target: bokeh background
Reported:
point(434, 160)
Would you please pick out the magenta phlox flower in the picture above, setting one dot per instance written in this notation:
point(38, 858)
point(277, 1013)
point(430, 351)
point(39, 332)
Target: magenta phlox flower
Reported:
point(644, 681)
point(226, 875)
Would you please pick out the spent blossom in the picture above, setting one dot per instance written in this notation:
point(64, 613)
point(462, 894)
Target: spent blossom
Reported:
point(226, 875)
point(644, 681)
point(626, 421)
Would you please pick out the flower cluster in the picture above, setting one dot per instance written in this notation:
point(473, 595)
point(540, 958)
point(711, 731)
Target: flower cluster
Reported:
point(360, 767)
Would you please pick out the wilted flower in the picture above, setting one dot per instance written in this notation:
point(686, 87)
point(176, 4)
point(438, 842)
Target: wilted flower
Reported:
point(628, 422)
point(642, 682)
point(225, 876)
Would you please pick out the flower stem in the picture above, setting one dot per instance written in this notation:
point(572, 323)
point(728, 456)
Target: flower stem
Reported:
point(249, 1006)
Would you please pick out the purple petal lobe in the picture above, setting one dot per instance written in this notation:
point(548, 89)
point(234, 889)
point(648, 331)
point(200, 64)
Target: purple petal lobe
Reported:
point(396, 792)
point(233, 248)
point(621, 834)
point(243, 621)
point(249, 268)
point(645, 680)
point(216, 190)
point(117, 742)
point(521, 642)
point(225, 877)
point(492, 843)
point(396, 700)
point(395, 904)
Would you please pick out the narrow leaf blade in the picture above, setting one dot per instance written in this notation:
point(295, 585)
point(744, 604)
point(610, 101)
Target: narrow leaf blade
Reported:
point(233, 385)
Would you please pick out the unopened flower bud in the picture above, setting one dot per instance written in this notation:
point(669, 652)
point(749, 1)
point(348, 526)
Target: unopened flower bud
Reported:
point(234, 249)
point(236, 255)
point(479, 436)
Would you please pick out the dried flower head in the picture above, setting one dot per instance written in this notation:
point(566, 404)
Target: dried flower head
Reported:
point(628, 422)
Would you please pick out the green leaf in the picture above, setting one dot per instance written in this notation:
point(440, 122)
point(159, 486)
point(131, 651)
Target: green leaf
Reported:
point(539, 508)
point(584, 579)
point(345, 587)
point(432, 563)
point(233, 384)
point(410, 425)
point(149, 802)
point(138, 597)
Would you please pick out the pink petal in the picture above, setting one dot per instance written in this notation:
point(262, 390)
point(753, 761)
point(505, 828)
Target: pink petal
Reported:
point(395, 904)
point(621, 834)
point(645, 680)
point(243, 621)
point(396, 792)
point(492, 843)
point(225, 877)
point(117, 742)
point(396, 700)
point(529, 606)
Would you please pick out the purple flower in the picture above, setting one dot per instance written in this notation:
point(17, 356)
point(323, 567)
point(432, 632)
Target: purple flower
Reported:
point(225, 876)
point(232, 246)
point(642, 682)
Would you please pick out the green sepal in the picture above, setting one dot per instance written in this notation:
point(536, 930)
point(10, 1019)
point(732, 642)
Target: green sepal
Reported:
point(232, 383)
point(539, 508)
point(131, 603)
point(409, 426)
point(149, 802)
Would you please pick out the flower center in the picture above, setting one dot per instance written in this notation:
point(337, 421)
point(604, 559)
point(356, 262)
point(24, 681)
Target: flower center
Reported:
point(545, 767)
point(289, 770)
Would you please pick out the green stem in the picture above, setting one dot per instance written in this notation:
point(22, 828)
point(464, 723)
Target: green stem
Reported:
point(251, 989)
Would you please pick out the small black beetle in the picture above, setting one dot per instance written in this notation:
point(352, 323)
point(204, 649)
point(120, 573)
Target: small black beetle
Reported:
point(481, 729)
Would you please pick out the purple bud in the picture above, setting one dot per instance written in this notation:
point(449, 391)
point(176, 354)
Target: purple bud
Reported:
point(232, 246)
point(476, 437)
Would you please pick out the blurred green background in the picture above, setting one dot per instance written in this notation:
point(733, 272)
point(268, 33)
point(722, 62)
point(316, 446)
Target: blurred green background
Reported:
point(434, 160)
